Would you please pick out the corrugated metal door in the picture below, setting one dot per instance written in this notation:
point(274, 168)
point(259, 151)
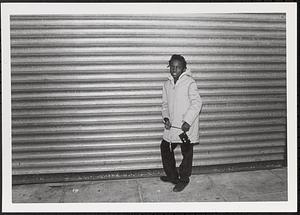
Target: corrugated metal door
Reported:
point(86, 90)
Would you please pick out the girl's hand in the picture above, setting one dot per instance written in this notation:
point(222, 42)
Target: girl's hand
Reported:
point(185, 127)
point(167, 123)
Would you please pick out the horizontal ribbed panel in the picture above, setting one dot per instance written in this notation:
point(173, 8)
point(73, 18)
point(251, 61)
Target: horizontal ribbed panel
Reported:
point(86, 90)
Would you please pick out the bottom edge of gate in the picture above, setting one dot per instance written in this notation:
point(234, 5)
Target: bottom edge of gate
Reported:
point(127, 174)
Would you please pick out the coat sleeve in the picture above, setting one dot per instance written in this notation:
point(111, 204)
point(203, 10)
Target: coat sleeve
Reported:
point(165, 107)
point(195, 104)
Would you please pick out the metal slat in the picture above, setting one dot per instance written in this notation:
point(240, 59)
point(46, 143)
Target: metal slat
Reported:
point(61, 87)
point(148, 165)
point(153, 164)
point(86, 90)
point(133, 72)
point(96, 160)
point(112, 118)
point(206, 142)
point(134, 23)
point(137, 51)
point(145, 33)
point(141, 132)
point(150, 59)
point(245, 17)
point(127, 42)
point(152, 107)
point(140, 93)
point(139, 151)
point(139, 125)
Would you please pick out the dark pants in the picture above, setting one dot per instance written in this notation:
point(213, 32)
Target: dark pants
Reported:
point(169, 163)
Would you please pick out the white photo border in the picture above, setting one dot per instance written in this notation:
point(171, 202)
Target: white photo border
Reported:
point(290, 9)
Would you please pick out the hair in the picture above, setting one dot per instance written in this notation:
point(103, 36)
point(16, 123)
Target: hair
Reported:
point(179, 58)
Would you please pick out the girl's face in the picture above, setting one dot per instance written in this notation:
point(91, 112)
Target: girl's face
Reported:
point(176, 68)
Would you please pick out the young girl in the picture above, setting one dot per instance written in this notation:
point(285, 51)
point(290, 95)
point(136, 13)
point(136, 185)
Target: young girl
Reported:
point(181, 107)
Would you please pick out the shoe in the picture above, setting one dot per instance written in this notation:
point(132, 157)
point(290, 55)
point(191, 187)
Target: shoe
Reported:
point(180, 186)
point(167, 179)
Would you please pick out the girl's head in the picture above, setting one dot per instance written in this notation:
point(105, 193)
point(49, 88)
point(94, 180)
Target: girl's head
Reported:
point(177, 65)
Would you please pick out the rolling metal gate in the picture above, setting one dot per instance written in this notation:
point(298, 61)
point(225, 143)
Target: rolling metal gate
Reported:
point(86, 90)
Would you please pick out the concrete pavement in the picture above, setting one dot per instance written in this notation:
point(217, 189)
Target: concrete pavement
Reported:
point(259, 185)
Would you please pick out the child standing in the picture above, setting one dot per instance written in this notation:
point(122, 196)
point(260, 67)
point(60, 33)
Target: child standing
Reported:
point(180, 110)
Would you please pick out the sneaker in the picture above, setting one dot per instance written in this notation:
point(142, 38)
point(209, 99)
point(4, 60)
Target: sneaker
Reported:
point(167, 179)
point(180, 186)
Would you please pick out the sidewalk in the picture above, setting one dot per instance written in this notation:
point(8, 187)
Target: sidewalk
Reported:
point(260, 185)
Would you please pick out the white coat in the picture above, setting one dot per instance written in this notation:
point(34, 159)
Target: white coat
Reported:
point(181, 102)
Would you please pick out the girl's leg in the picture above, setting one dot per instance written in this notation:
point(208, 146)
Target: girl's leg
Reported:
point(168, 159)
